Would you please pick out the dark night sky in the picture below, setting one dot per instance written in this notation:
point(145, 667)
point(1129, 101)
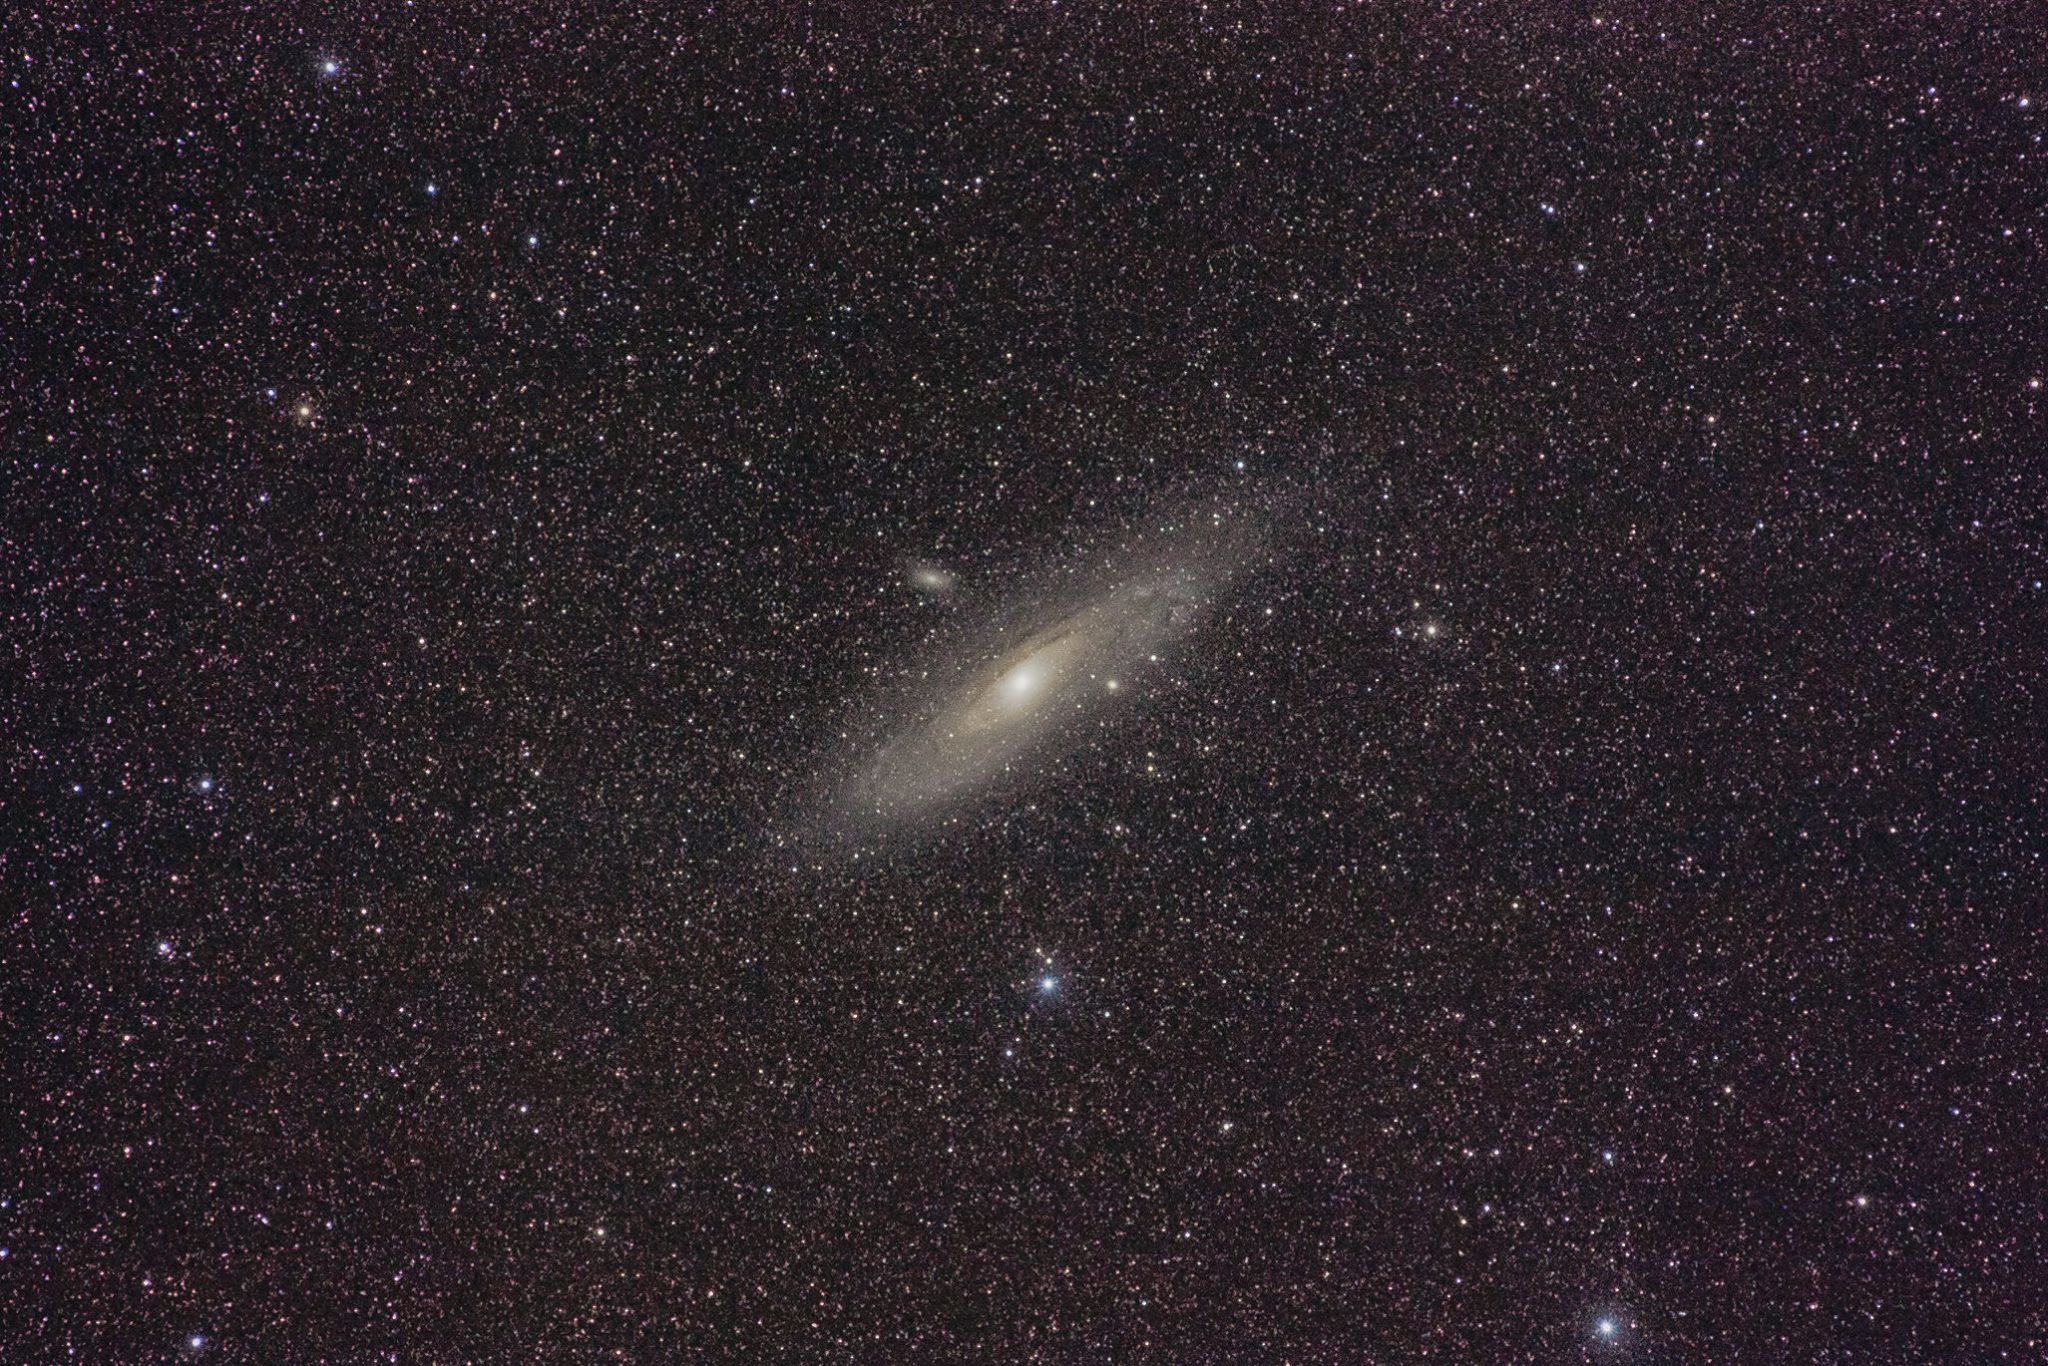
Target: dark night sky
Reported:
point(1583, 904)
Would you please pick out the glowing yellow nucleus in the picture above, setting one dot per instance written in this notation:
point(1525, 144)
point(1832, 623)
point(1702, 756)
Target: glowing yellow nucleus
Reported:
point(1019, 683)
point(1023, 682)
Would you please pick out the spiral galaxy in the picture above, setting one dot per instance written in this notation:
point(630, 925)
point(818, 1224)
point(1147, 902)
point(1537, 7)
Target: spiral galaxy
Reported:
point(1002, 703)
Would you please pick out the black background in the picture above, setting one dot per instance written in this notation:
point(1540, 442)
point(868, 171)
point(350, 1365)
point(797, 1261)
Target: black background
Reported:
point(1597, 876)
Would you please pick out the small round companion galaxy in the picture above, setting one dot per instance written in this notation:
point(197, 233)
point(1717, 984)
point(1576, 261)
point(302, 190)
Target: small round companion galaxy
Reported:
point(1085, 643)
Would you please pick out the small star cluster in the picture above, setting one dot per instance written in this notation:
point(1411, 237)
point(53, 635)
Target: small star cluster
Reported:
point(463, 463)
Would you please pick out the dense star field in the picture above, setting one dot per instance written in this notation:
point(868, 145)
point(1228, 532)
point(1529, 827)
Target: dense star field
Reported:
point(472, 470)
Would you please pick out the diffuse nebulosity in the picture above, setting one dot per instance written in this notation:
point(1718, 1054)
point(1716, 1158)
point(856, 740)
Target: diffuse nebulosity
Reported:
point(1005, 700)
